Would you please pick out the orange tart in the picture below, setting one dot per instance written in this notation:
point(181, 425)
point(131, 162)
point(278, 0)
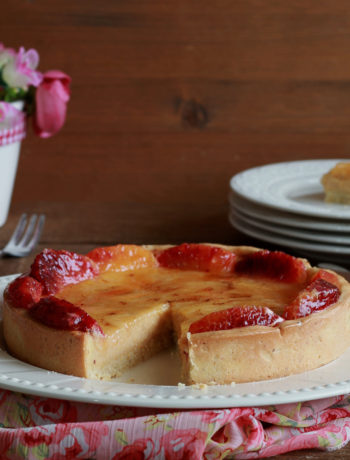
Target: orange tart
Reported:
point(237, 314)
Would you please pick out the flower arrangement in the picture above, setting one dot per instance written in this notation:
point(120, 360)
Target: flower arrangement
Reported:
point(44, 95)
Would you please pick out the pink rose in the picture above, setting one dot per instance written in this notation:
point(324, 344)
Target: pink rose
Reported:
point(333, 414)
point(184, 444)
point(137, 450)
point(46, 411)
point(34, 436)
point(51, 100)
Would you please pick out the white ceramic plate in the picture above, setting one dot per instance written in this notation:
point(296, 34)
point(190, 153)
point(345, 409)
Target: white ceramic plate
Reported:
point(291, 186)
point(330, 380)
point(294, 233)
point(288, 219)
point(241, 224)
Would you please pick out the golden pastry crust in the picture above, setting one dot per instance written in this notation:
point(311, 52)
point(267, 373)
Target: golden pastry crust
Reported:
point(336, 184)
point(242, 354)
point(261, 353)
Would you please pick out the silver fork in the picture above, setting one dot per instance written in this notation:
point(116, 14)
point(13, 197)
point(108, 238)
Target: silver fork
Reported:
point(25, 236)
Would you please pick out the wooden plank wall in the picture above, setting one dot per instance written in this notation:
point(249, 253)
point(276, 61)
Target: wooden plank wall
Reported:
point(170, 98)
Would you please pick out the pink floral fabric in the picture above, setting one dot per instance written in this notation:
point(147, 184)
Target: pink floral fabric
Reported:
point(40, 428)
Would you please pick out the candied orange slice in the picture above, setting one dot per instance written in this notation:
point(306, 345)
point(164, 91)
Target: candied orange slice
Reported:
point(122, 257)
point(317, 296)
point(24, 292)
point(275, 265)
point(54, 269)
point(198, 257)
point(327, 276)
point(235, 317)
point(60, 314)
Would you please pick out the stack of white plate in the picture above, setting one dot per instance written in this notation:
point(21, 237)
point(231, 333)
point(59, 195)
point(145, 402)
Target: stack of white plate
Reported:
point(283, 204)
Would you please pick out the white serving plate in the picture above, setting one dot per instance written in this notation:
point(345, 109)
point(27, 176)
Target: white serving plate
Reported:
point(155, 384)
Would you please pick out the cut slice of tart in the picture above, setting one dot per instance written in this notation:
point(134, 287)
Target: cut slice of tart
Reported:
point(336, 184)
point(130, 323)
point(237, 313)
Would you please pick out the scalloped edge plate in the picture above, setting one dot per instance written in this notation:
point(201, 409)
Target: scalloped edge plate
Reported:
point(292, 232)
point(274, 216)
point(241, 223)
point(330, 380)
point(293, 186)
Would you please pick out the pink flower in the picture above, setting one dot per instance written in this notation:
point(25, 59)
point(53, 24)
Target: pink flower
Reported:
point(45, 411)
point(186, 444)
point(137, 450)
point(333, 414)
point(51, 99)
point(34, 436)
point(18, 69)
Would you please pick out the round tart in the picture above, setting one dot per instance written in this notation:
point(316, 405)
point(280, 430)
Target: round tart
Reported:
point(237, 314)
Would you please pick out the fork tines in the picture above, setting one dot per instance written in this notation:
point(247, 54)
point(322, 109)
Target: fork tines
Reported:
point(25, 236)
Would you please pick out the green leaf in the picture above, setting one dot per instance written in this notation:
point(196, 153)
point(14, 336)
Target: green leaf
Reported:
point(14, 94)
point(23, 415)
point(120, 437)
point(338, 441)
point(323, 442)
point(41, 451)
point(22, 450)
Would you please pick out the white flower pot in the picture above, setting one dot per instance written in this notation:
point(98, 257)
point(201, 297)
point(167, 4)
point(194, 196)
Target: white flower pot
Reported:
point(9, 155)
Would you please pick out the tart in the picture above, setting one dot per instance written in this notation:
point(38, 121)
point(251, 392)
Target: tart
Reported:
point(237, 314)
point(336, 184)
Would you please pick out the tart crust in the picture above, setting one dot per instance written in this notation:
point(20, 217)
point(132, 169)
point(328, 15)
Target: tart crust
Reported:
point(82, 354)
point(242, 354)
point(253, 354)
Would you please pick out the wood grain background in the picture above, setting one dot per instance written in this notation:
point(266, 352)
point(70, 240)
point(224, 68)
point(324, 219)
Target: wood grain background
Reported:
point(170, 98)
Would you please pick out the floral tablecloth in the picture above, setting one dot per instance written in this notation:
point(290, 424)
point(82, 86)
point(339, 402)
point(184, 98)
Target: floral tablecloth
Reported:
point(36, 428)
